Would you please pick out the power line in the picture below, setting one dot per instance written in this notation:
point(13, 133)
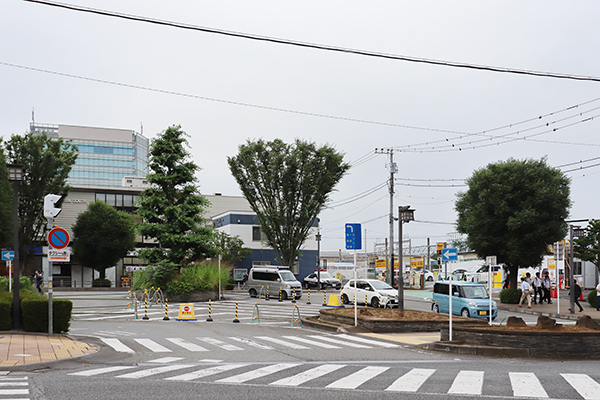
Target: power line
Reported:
point(318, 46)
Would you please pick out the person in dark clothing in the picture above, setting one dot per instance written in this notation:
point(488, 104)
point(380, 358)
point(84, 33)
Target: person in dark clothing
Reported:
point(38, 280)
point(577, 290)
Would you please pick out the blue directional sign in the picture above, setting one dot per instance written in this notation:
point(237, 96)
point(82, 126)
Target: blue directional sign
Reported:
point(450, 254)
point(353, 237)
point(8, 255)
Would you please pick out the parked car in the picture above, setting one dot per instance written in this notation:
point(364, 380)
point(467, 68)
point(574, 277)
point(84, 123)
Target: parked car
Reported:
point(327, 280)
point(428, 275)
point(272, 279)
point(372, 291)
point(469, 299)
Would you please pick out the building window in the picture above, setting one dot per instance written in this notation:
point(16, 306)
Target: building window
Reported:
point(101, 197)
point(577, 268)
point(256, 234)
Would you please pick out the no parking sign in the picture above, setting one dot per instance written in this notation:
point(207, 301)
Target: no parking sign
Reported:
point(186, 313)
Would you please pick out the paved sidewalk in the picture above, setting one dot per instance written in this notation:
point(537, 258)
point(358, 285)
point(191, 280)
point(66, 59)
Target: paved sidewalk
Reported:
point(17, 349)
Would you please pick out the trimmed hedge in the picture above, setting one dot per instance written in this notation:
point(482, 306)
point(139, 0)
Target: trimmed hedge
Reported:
point(35, 314)
point(510, 296)
point(101, 283)
point(6, 299)
point(593, 298)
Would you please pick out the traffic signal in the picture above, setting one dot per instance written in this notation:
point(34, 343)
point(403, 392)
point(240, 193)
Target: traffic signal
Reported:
point(50, 212)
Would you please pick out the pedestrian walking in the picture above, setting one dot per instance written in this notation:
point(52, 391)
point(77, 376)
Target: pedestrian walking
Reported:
point(547, 288)
point(537, 289)
point(526, 294)
point(505, 279)
point(577, 290)
point(38, 278)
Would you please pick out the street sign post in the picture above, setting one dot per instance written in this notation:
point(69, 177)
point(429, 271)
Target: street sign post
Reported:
point(450, 254)
point(58, 238)
point(353, 237)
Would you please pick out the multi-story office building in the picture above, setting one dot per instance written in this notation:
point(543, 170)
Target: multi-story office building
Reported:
point(105, 155)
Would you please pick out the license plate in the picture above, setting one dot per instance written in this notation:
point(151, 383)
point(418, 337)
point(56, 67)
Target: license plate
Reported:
point(483, 312)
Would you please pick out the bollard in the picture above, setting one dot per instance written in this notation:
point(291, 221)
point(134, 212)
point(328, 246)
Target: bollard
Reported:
point(280, 299)
point(308, 302)
point(145, 309)
point(388, 302)
point(261, 292)
point(267, 298)
point(293, 295)
point(324, 298)
point(166, 318)
point(236, 320)
point(135, 303)
point(295, 311)
point(366, 300)
point(379, 302)
point(209, 319)
point(255, 314)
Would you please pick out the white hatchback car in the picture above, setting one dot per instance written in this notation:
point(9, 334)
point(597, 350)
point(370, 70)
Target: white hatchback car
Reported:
point(371, 291)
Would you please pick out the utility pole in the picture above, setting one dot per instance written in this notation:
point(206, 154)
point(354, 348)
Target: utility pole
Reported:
point(393, 168)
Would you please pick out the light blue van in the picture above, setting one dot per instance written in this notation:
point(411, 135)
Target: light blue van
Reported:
point(470, 299)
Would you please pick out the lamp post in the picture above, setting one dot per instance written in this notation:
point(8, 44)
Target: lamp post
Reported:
point(318, 238)
point(15, 174)
point(405, 214)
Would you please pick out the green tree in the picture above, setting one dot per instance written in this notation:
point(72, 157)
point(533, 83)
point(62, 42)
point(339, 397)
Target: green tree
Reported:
point(172, 208)
point(46, 164)
point(6, 205)
point(231, 248)
point(287, 186)
point(102, 236)
point(587, 247)
point(512, 210)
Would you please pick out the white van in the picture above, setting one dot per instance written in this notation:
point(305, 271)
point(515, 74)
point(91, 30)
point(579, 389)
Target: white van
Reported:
point(271, 279)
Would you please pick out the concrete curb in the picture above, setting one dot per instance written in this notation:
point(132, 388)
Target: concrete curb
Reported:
point(489, 351)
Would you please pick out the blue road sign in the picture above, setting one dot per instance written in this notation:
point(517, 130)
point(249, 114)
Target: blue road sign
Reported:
point(353, 237)
point(8, 255)
point(450, 254)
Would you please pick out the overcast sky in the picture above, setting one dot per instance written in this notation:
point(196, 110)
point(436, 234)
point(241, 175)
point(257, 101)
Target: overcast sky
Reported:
point(400, 103)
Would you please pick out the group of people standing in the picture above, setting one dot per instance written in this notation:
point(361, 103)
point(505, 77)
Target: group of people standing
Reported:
point(538, 288)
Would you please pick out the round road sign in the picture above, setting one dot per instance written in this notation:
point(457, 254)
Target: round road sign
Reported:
point(58, 238)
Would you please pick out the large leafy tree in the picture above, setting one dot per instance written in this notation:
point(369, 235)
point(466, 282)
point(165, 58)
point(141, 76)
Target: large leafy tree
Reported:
point(46, 163)
point(287, 186)
point(102, 236)
point(6, 206)
point(231, 248)
point(172, 208)
point(512, 210)
point(587, 247)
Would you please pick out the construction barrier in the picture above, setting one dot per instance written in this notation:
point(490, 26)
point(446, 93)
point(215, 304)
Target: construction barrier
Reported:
point(186, 313)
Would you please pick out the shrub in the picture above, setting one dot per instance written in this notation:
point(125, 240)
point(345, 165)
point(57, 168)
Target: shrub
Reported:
point(202, 277)
point(593, 298)
point(510, 296)
point(5, 311)
point(140, 280)
point(101, 283)
point(26, 285)
point(161, 274)
point(35, 314)
point(181, 288)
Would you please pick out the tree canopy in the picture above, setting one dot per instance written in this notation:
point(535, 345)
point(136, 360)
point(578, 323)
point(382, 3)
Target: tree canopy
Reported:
point(46, 166)
point(102, 236)
point(287, 186)
point(513, 210)
point(231, 248)
point(587, 247)
point(6, 206)
point(172, 208)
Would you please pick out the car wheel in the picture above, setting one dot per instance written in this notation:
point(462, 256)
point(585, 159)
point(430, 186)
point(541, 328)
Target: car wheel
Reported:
point(284, 295)
point(435, 308)
point(375, 302)
point(252, 292)
point(464, 313)
point(345, 299)
point(306, 285)
point(430, 279)
point(323, 286)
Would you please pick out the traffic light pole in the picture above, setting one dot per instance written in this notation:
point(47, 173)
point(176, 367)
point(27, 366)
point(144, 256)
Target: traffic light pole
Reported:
point(16, 266)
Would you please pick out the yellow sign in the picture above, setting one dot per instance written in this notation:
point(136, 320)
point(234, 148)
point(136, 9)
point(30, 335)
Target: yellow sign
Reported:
point(416, 262)
point(186, 313)
point(439, 246)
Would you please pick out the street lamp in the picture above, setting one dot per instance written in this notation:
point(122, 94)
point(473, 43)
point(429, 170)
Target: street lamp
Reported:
point(15, 174)
point(405, 214)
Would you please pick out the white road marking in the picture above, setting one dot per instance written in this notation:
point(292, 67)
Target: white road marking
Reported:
point(257, 373)
point(588, 388)
point(312, 342)
point(165, 360)
point(411, 381)
point(250, 342)
point(526, 384)
point(218, 343)
point(467, 382)
point(186, 345)
point(356, 379)
point(117, 345)
point(306, 376)
point(337, 341)
point(205, 372)
point(154, 371)
point(367, 341)
point(283, 343)
point(98, 371)
point(152, 345)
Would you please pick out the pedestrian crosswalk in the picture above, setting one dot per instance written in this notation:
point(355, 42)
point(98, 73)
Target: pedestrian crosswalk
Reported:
point(234, 343)
point(339, 375)
point(13, 388)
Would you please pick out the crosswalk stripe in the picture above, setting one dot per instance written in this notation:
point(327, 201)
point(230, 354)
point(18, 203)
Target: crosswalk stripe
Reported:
point(526, 384)
point(467, 382)
point(6, 392)
point(356, 379)
point(250, 342)
point(411, 381)
point(117, 345)
point(165, 360)
point(152, 345)
point(218, 343)
point(306, 376)
point(312, 342)
point(588, 388)
point(257, 373)
point(337, 341)
point(154, 371)
point(367, 341)
point(283, 343)
point(205, 372)
point(98, 371)
point(14, 383)
point(186, 345)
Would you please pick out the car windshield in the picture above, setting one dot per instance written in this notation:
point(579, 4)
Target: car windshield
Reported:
point(287, 276)
point(379, 285)
point(325, 275)
point(474, 292)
